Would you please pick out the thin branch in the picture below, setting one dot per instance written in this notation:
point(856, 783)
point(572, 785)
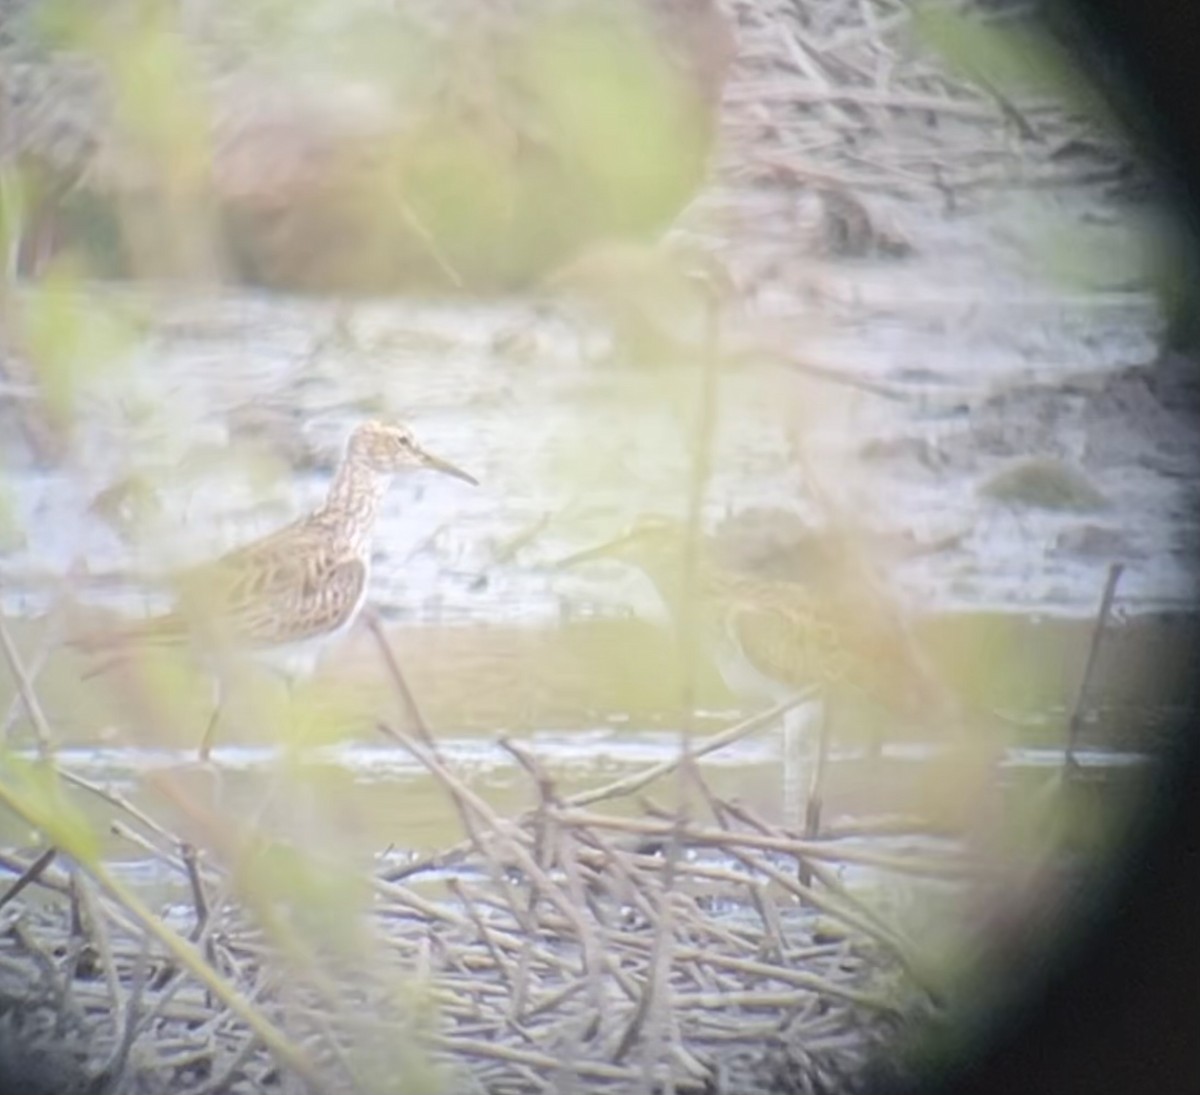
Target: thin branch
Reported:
point(33, 707)
point(398, 679)
point(1082, 700)
point(31, 874)
point(626, 785)
point(187, 957)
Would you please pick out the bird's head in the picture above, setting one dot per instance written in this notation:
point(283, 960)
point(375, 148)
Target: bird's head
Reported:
point(387, 448)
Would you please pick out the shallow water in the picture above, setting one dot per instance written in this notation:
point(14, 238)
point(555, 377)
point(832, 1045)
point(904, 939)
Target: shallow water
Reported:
point(230, 409)
point(377, 806)
point(374, 801)
point(225, 417)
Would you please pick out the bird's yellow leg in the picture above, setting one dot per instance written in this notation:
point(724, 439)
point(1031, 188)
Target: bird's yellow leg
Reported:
point(798, 743)
point(206, 742)
point(816, 776)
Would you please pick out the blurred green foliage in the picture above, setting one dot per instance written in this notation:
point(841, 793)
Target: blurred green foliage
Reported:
point(151, 75)
point(12, 536)
point(618, 116)
point(1019, 59)
point(71, 338)
point(1019, 62)
point(316, 902)
point(385, 150)
point(33, 790)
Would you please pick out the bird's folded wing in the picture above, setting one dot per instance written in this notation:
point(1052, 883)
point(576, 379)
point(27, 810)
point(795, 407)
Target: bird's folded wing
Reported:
point(114, 644)
point(786, 639)
point(282, 589)
point(285, 588)
point(321, 596)
point(258, 570)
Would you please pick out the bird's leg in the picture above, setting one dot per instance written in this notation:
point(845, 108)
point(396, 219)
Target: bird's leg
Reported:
point(875, 736)
point(210, 730)
point(289, 685)
point(796, 757)
point(289, 677)
point(816, 776)
point(794, 720)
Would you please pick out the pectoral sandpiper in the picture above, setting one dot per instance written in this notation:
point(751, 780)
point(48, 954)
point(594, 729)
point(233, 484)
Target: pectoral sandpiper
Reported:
point(769, 638)
point(283, 597)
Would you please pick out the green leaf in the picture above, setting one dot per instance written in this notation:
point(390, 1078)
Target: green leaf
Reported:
point(12, 536)
point(323, 899)
point(33, 790)
point(69, 339)
point(1018, 60)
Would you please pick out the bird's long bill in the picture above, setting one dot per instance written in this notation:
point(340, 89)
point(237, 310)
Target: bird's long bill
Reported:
point(436, 463)
point(608, 550)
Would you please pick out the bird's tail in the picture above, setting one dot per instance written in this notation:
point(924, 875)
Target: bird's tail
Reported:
point(118, 643)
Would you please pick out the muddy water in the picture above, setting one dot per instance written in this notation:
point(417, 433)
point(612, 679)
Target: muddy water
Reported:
point(222, 416)
point(594, 701)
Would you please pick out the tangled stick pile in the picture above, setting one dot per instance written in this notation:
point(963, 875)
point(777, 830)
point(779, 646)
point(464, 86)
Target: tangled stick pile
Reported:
point(576, 947)
point(569, 947)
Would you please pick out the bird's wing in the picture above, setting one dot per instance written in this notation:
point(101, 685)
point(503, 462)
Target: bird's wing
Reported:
point(255, 570)
point(286, 587)
point(785, 637)
point(283, 588)
point(165, 629)
point(320, 594)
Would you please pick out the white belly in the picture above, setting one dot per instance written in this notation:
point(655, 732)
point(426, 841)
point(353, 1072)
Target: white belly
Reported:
point(740, 675)
point(293, 660)
point(300, 659)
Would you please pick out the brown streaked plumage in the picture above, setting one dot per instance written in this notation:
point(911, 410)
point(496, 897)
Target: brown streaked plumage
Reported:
point(780, 630)
point(771, 638)
point(283, 597)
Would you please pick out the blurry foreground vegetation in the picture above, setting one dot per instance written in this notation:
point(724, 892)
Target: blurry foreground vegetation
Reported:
point(494, 176)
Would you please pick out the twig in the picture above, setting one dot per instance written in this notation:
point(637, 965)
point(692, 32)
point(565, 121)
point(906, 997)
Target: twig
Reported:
point(544, 855)
point(187, 956)
point(52, 879)
point(594, 956)
point(502, 965)
point(120, 802)
point(798, 91)
point(111, 1075)
point(33, 670)
point(428, 910)
point(857, 35)
point(187, 853)
point(422, 232)
point(816, 784)
point(98, 930)
point(472, 1047)
point(64, 1006)
point(699, 474)
point(1075, 728)
point(223, 1080)
point(41, 728)
point(848, 909)
point(393, 667)
point(122, 831)
point(31, 874)
point(77, 940)
point(651, 1003)
point(627, 785)
point(769, 843)
point(469, 807)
